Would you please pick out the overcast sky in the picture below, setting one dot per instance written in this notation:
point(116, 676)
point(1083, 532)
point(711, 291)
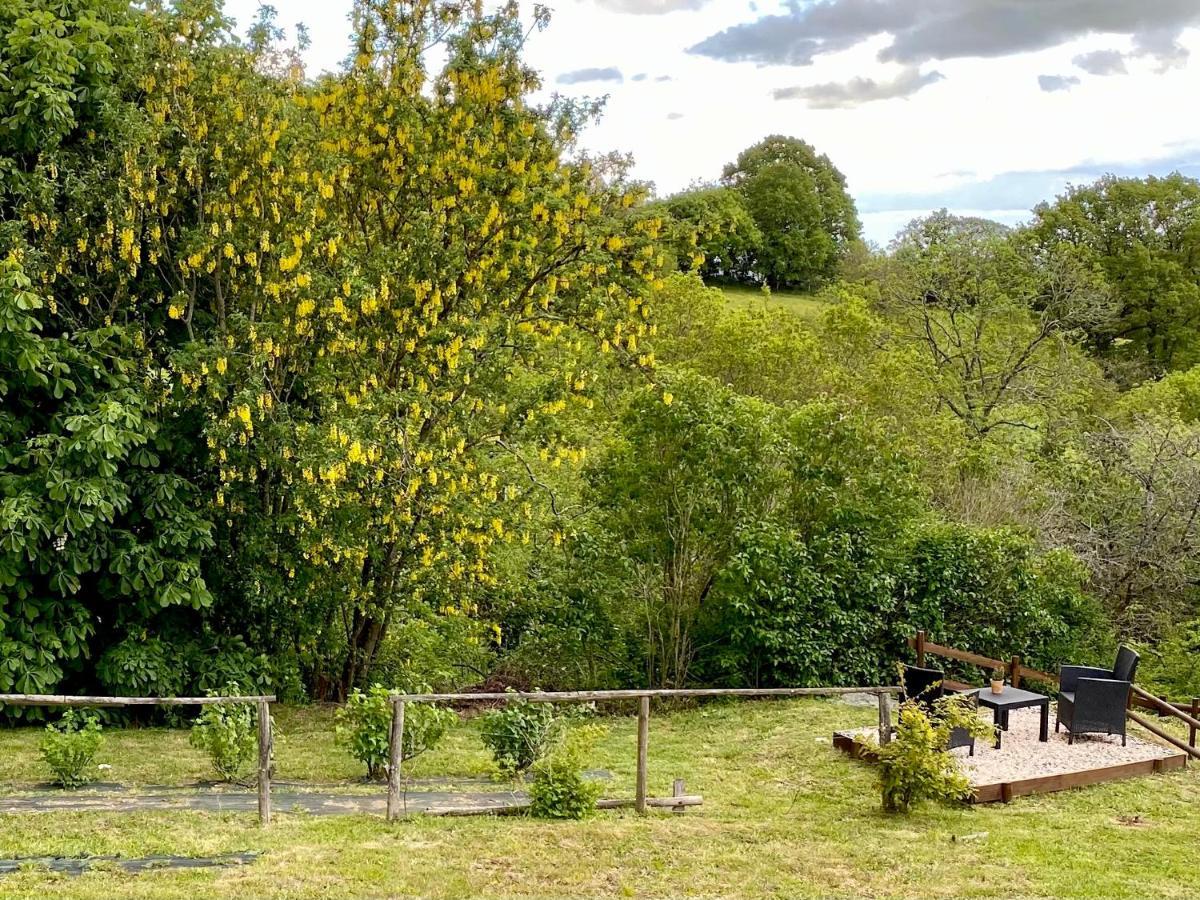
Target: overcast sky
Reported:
point(982, 106)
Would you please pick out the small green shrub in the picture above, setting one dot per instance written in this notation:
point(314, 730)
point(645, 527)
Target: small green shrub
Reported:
point(917, 765)
point(70, 746)
point(559, 790)
point(364, 727)
point(518, 734)
point(228, 733)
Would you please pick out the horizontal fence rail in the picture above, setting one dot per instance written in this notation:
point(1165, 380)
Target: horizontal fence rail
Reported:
point(262, 701)
point(585, 696)
point(69, 700)
point(882, 693)
point(1187, 713)
point(1013, 668)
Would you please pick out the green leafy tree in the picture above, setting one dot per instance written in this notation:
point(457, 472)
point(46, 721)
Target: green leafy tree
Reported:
point(997, 321)
point(722, 238)
point(1144, 234)
point(799, 202)
point(99, 518)
point(810, 594)
point(1126, 499)
point(995, 591)
point(694, 461)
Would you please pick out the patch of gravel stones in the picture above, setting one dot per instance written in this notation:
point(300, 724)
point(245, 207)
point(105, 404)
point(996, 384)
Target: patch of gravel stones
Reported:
point(1024, 756)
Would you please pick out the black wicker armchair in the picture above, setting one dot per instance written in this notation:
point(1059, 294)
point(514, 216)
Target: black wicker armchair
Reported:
point(925, 686)
point(1093, 701)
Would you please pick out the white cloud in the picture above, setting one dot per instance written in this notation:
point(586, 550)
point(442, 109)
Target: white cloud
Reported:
point(857, 91)
point(650, 7)
point(1052, 83)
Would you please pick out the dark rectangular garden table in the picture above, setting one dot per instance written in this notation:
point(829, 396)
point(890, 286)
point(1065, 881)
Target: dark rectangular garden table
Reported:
point(1014, 698)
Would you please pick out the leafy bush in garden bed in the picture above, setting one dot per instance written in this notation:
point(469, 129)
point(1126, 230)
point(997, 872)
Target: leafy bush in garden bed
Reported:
point(69, 747)
point(559, 789)
point(364, 727)
point(228, 733)
point(917, 765)
point(519, 734)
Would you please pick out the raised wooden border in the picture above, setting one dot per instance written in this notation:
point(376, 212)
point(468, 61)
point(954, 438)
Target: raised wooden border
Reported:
point(1005, 791)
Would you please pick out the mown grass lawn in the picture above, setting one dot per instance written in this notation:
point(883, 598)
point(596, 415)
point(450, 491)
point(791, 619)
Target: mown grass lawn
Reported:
point(744, 297)
point(784, 815)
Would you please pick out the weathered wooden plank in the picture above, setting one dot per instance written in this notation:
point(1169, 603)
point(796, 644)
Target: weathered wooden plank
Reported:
point(643, 750)
point(567, 696)
point(1169, 709)
point(1050, 783)
point(1169, 738)
point(966, 656)
point(1029, 674)
point(395, 760)
point(678, 789)
point(522, 807)
point(68, 700)
point(885, 719)
point(265, 747)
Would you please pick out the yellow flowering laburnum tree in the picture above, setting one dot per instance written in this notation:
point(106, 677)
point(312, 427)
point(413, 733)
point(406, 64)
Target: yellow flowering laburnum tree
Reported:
point(379, 283)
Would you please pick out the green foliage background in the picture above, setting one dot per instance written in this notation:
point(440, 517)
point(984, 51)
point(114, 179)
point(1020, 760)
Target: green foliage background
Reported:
point(314, 382)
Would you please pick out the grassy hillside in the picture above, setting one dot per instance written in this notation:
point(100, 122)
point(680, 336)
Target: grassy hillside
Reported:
point(749, 297)
point(784, 815)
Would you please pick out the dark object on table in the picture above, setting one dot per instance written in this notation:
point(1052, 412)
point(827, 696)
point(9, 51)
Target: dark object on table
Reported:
point(925, 686)
point(1093, 701)
point(1015, 698)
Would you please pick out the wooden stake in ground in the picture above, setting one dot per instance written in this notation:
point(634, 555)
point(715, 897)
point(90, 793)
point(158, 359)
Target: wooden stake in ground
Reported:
point(264, 762)
point(885, 718)
point(396, 760)
point(643, 750)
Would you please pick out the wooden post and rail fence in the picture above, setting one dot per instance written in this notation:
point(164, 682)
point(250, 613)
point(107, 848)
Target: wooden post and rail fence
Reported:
point(262, 703)
point(1016, 671)
point(641, 800)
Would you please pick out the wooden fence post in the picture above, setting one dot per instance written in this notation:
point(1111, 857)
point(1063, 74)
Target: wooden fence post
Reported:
point(678, 789)
point(1014, 672)
point(264, 762)
point(1195, 715)
point(921, 649)
point(885, 718)
point(643, 746)
point(395, 760)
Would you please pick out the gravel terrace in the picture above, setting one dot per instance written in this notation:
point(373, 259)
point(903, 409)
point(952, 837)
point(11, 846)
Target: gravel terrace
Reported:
point(1024, 756)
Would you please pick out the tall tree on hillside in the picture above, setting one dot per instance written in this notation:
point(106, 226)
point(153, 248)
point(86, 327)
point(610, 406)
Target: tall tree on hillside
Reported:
point(996, 320)
point(1145, 234)
point(719, 234)
point(799, 201)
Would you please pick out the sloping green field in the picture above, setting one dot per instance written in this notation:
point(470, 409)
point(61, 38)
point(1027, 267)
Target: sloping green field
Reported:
point(751, 298)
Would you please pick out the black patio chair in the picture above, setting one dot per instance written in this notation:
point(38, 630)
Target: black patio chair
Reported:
point(1092, 700)
point(927, 685)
